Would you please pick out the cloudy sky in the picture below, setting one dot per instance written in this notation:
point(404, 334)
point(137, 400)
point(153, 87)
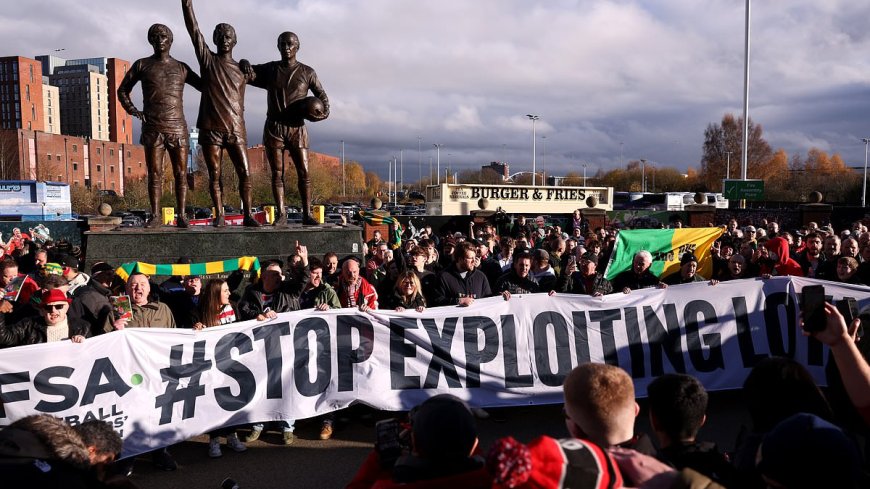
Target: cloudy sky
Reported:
point(612, 80)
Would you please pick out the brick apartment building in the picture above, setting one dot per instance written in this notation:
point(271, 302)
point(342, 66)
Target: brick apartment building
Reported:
point(61, 120)
point(37, 155)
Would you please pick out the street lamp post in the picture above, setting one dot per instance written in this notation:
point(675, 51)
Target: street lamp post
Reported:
point(864, 191)
point(534, 119)
point(419, 163)
point(438, 162)
point(643, 175)
point(343, 178)
point(728, 166)
point(543, 155)
point(584, 174)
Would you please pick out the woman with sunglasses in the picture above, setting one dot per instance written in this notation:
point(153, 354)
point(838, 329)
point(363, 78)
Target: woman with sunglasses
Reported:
point(52, 323)
point(407, 293)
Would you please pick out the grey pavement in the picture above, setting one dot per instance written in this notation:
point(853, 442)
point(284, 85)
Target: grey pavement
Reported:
point(312, 463)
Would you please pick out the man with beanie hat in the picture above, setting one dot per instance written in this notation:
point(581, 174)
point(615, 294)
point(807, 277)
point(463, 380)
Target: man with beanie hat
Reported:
point(443, 439)
point(687, 272)
point(88, 304)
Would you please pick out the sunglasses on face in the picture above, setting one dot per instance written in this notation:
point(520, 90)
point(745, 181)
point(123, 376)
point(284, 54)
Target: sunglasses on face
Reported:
point(53, 307)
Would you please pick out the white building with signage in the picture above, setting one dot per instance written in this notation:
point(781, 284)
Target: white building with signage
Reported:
point(29, 200)
point(458, 199)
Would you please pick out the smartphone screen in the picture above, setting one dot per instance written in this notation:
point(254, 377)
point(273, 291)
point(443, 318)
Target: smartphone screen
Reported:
point(813, 307)
point(848, 307)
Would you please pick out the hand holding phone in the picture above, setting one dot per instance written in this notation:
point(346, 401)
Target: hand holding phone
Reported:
point(813, 308)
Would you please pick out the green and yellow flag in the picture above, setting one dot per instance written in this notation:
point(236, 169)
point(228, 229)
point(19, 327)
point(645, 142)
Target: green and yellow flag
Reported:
point(666, 247)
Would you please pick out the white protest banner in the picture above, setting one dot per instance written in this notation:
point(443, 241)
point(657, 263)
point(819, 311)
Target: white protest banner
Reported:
point(161, 386)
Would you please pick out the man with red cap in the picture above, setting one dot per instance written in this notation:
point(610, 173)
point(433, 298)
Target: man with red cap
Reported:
point(52, 324)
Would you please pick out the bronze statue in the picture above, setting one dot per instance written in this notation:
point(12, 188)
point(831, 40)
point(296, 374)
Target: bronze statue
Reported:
point(287, 83)
point(221, 111)
point(164, 128)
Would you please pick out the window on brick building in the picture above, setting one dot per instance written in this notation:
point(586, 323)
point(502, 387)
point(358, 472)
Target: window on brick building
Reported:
point(57, 157)
point(75, 167)
point(111, 152)
point(75, 183)
point(112, 169)
point(75, 148)
point(128, 154)
point(99, 168)
point(98, 150)
point(112, 185)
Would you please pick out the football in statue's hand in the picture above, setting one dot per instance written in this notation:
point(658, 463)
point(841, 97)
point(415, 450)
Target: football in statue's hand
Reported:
point(312, 109)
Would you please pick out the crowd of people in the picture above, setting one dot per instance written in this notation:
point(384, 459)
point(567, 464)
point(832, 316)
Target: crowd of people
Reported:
point(49, 297)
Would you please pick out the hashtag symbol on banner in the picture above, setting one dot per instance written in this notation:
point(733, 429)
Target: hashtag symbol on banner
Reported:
point(174, 373)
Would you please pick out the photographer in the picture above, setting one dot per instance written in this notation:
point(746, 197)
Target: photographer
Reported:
point(443, 442)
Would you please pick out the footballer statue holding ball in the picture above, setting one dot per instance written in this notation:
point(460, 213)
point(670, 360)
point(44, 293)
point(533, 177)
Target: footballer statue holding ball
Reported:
point(287, 83)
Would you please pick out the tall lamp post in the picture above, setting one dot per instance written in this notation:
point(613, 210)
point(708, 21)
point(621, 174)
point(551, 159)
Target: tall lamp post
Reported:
point(543, 156)
point(534, 119)
point(438, 162)
point(584, 174)
point(643, 175)
point(420, 163)
point(864, 191)
point(343, 179)
point(728, 166)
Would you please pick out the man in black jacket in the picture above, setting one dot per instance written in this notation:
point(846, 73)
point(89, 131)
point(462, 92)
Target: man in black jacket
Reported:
point(52, 324)
point(272, 294)
point(88, 303)
point(460, 283)
point(517, 280)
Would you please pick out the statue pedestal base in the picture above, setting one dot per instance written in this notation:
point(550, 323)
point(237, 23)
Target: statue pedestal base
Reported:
point(700, 215)
point(206, 243)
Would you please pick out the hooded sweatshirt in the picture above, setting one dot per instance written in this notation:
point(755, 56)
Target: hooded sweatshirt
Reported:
point(783, 264)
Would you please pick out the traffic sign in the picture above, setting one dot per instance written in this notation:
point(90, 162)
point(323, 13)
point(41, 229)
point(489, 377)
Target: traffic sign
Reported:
point(744, 189)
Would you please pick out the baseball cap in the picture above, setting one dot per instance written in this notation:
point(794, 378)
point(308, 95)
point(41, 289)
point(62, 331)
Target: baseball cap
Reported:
point(69, 261)
point(548, 463)
point(688, 257)
point(55, 295)
point(100, 267)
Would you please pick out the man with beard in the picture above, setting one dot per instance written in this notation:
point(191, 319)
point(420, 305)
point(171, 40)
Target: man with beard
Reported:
point(812, 258)
point(460, 283)
point(318, 294)
point(355, 291)
point(584, 280)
